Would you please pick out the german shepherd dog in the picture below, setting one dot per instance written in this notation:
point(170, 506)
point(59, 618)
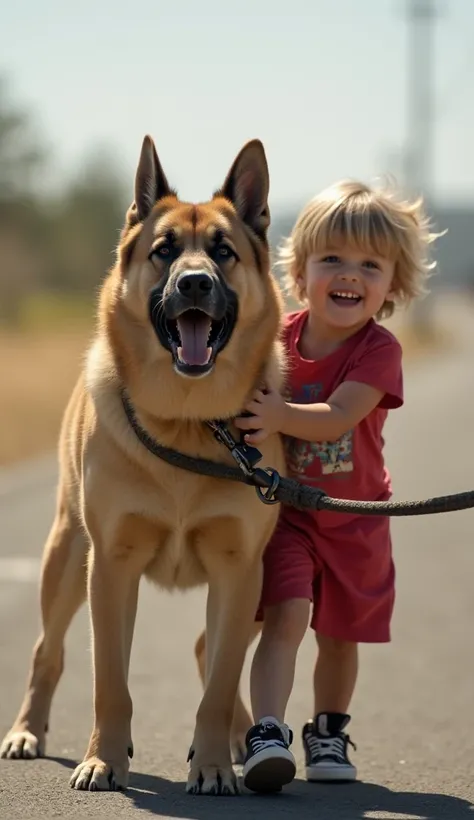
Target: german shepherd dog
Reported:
point(187, 325)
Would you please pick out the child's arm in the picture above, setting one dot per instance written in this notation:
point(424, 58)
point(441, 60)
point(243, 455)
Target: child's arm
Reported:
point(374, 379)
point(325, 421)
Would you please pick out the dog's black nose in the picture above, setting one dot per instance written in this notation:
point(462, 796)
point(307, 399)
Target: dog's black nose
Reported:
point(194, 283)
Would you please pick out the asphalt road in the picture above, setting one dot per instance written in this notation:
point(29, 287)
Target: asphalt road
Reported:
point(413, 711)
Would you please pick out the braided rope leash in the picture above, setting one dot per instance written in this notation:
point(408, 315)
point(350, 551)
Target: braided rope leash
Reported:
point(272, 488)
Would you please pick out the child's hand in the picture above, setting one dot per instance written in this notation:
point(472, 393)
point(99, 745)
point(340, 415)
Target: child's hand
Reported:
point(268, 413)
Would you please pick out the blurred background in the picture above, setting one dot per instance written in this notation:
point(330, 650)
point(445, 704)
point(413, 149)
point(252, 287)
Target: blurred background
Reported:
point(334, 88)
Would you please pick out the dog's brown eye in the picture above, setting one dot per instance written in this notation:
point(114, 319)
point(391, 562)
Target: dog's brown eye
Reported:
point(163, 251)
point(224, 252)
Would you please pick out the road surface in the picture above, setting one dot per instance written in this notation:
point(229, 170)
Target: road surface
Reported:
point(413, 714)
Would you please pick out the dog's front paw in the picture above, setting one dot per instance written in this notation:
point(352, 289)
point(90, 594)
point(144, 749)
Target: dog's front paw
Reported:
point(94, 774)
point(23, 744)
point(215, 780)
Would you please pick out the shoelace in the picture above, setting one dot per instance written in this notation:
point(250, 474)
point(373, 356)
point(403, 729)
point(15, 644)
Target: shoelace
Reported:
point(336, 745)
point(258, 743)
point(263, 741)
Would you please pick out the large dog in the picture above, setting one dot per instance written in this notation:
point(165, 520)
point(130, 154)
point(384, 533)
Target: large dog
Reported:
point(187, 324)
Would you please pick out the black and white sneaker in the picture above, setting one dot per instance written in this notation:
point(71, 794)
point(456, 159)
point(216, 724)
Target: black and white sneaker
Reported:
point(269, 764)
point(325, 745)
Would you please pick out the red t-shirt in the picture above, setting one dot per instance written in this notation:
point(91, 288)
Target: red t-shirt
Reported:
point(353, 466)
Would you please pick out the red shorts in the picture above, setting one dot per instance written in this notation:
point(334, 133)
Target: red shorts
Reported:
point(346, 570)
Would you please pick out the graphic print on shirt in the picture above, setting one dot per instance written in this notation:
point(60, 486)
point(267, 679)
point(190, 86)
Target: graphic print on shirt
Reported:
point(334, 456)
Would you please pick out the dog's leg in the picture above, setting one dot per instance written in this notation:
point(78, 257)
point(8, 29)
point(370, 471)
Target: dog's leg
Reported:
point(62, 591)
point(234, 588)
point(114, 578)
point(241, 721)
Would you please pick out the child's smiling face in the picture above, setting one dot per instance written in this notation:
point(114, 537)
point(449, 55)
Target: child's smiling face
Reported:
point(346, 287)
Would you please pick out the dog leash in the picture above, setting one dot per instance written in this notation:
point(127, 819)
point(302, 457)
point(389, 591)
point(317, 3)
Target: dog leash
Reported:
point(272, 488)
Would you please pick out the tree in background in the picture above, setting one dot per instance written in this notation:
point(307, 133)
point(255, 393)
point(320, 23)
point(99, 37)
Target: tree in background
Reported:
point(61, 242)
point(21, 158)
point(86, 221)
point(21, 162)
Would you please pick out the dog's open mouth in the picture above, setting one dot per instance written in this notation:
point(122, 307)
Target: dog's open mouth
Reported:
point(194, 335)
point(194, 338)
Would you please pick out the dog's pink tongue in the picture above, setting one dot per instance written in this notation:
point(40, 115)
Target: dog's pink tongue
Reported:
point(194, 332)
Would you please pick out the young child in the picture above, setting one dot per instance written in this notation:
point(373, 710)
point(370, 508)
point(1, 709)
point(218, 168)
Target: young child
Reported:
point(354, 252)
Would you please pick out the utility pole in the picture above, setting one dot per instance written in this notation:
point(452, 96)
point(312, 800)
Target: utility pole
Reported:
point(421, 19)
point(419, 153)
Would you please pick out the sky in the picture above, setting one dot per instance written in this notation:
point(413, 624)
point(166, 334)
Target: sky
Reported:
point(321, 82)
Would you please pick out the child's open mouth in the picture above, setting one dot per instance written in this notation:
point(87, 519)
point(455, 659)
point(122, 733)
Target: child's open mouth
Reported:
point(346, 298)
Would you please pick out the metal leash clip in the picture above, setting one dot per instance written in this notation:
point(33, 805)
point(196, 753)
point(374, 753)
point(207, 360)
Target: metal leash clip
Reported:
point(247, 457)
point(270, 481)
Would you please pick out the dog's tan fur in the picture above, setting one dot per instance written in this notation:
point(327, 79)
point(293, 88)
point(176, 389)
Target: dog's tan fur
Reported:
point(123, 513)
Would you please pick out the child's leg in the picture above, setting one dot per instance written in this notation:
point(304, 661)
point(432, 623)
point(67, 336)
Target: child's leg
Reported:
point(273, 667)
point(335, 675)
point(324, 739)
point(286, 595)
point(354, 599)
point(269, 763)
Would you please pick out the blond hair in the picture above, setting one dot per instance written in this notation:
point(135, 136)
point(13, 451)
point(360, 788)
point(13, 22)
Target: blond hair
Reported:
point(373, 221)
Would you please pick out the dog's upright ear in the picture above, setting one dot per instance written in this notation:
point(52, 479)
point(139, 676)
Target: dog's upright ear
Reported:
point(150, 183)
point(247, 186)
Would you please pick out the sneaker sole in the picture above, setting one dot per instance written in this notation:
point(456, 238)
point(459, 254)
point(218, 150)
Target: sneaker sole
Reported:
point(269, 772)
point(328, 774)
